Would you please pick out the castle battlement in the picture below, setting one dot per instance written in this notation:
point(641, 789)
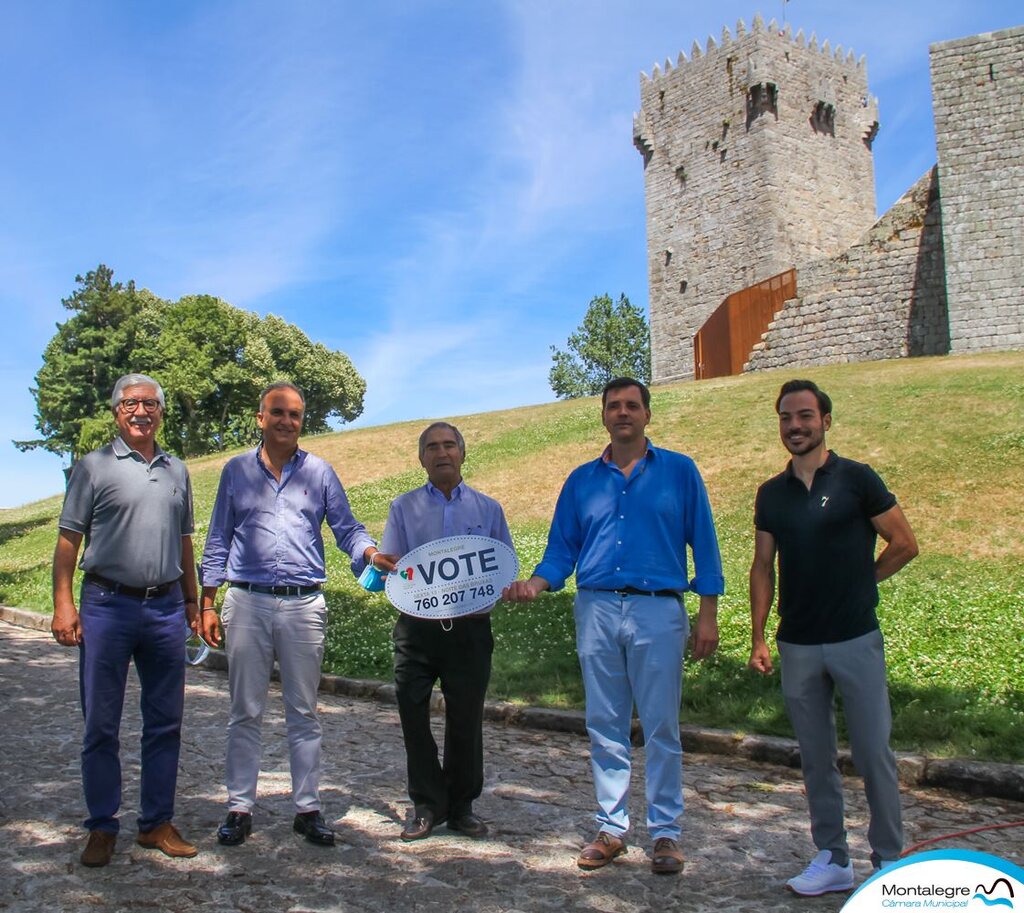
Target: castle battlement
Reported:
point(757, 155)
point(757, 160)
point(758, 28)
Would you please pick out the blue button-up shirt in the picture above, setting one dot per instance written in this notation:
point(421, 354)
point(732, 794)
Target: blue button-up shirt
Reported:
point(425, 514)
point(618, 532)
point(269, 533)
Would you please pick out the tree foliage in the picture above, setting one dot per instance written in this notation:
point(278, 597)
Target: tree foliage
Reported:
point(613, 341)
point(83, 360)
point(211, 358)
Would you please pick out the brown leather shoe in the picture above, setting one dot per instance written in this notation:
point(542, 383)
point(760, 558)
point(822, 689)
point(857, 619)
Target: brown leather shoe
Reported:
point(603, 850)
point(471, 825)
point(165, 837)
point(419, 826)
point(667, 858)
point(99, 849)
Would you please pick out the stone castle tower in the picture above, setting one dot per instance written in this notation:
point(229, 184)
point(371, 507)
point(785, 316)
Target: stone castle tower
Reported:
point(757, 156)
point(977, 86)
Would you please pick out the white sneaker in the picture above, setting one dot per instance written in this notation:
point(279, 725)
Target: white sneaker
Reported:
point(822, 876)
point(882, 864)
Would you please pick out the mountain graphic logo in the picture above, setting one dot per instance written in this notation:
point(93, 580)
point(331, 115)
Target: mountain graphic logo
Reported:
point(406, 574)
point(1000, 886)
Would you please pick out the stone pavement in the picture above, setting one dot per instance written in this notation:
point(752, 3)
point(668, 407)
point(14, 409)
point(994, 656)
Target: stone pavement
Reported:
point(745, 832)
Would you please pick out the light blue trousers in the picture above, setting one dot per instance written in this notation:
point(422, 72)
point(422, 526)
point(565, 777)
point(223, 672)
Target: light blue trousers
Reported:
point(811, 674)
point(631, 651)
point(257, 627)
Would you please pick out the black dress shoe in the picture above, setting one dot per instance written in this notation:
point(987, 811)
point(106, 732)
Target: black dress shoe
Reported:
point(236, 827)
point(420, 826)
point(313, 827)
point(471, 825)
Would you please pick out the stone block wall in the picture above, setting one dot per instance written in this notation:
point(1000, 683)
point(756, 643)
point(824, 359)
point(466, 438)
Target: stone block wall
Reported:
point(884, 297)
point(757, 156)
point(977, 91)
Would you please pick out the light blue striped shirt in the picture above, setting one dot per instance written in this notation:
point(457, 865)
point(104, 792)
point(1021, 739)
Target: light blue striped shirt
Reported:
point(269, 533)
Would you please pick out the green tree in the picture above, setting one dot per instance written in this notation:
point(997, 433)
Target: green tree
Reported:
point(197, 351)
point(329, 381)
point(613, 341)
point(82, 362)
point(211, 358)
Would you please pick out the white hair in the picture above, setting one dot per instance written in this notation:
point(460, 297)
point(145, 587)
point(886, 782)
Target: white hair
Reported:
point(135, 380)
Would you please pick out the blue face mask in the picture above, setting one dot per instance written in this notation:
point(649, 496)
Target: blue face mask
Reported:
point(371, 579)
point(196, 649)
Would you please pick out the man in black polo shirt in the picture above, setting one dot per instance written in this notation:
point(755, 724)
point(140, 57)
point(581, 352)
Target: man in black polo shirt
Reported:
point(823, 515)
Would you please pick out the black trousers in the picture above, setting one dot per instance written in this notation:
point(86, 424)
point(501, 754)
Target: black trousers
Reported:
point(461, 660)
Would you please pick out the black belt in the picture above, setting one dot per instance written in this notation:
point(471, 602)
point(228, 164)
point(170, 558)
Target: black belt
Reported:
point(140, 592)
point(277, 590)
point(633, 591)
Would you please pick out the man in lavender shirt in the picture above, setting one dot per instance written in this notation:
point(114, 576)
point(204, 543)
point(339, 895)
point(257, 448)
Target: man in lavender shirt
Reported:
point(455, 651)
point(265, 542)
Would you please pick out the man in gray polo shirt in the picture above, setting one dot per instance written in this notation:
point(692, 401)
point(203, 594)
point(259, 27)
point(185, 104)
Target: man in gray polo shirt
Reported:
point(132, 503)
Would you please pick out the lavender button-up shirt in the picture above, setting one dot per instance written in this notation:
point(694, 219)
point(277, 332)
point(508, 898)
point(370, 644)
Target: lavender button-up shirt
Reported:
point(269, 533)
point(424, 514)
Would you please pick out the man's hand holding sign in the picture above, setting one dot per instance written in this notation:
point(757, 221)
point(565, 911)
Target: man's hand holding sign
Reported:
point(451, 577)
point(456, 556)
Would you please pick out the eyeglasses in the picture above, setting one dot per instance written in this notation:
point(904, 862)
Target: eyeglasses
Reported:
point(130, 405)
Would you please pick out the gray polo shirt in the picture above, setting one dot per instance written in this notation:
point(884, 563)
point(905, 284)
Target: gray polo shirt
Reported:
point(132, 514)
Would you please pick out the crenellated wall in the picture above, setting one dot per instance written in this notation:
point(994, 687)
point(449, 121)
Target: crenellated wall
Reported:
point(884, 297)
point(757, 156)
point(757, 159)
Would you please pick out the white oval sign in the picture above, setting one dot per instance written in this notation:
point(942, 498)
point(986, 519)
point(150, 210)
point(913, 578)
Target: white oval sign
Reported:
point(454, 576)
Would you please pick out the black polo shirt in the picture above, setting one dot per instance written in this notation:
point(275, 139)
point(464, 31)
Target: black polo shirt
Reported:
point(826, 546)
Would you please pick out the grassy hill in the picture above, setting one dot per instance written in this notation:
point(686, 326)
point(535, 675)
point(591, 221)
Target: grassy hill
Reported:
point(947, 435)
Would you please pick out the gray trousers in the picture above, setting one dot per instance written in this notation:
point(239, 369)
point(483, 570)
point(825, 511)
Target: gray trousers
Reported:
point(257, 627)
point(810, 676)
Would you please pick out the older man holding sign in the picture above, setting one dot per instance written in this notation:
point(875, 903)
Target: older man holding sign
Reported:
point(456, 556)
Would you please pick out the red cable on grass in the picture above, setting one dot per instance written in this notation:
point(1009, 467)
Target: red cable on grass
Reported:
point(973, 830)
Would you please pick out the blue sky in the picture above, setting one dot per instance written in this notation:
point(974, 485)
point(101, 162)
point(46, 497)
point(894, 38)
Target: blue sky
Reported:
point(436, 188)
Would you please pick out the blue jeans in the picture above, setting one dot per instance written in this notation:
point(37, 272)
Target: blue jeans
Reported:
point(631, 650)
point(116, 630)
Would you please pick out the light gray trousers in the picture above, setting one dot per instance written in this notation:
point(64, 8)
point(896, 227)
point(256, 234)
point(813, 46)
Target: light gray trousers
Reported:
point(810, 676)
point(257, 627)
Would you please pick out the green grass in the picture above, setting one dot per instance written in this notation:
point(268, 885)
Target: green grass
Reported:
point(947, 435)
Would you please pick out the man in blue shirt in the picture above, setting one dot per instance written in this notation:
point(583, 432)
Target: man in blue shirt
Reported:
point(457, 651)
point(624, 522)
point(265, 542)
